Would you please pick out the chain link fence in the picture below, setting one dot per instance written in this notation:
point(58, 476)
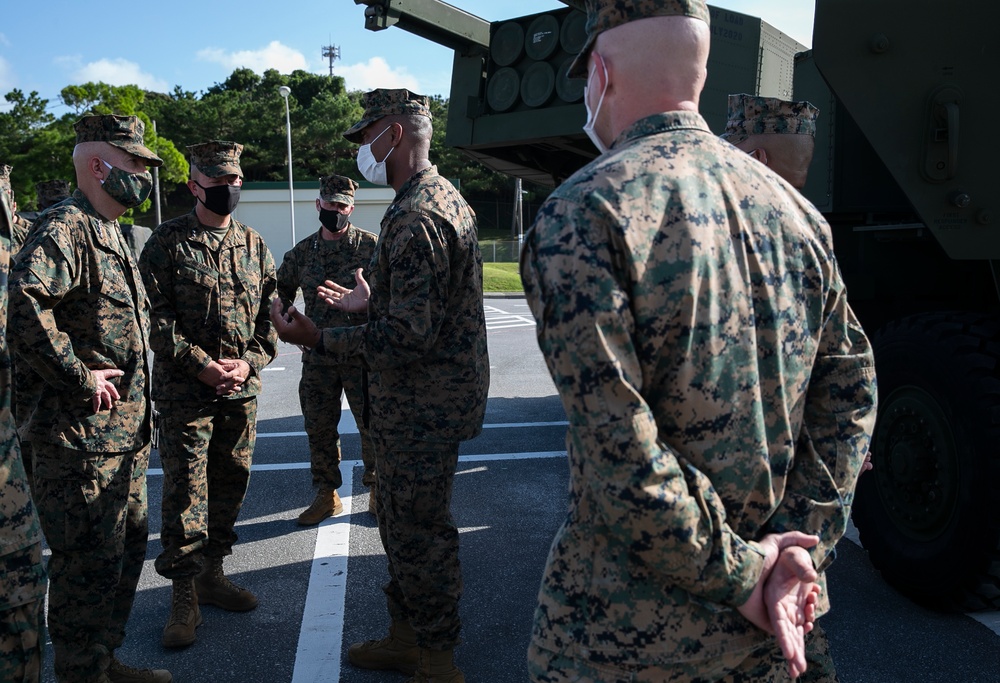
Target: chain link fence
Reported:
point(500, 251)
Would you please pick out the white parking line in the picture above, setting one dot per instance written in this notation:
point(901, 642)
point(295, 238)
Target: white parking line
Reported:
point(348, 465)
point(348, 426)
point(317, 658)
point(498, 319)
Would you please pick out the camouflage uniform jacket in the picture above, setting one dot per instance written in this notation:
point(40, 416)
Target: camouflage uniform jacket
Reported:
point(78, 304)
point(19, 233)
point(315, 260)
point(19, 528)
point(425, 339)
point(717, 385)
point(208, 303)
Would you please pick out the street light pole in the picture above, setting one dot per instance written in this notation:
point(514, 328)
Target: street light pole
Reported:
point(285, 91)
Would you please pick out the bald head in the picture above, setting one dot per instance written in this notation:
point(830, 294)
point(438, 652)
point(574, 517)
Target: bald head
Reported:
point(84, 151)
point(788, 155)
point(660, 63)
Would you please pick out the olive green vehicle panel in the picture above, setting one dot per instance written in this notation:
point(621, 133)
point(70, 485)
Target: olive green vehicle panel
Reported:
point(918, 78)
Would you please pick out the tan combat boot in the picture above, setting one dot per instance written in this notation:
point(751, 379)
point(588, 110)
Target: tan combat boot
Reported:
point(123, 673)
point(398, 652)
point(184, 617)
point(436, 666)
point(213, 588)
point(326, 504)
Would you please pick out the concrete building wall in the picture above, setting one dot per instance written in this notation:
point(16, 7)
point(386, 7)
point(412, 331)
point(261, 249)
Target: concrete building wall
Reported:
point(264, 207)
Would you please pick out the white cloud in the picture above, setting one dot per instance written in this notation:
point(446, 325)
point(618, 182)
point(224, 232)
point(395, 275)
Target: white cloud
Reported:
point(116, 72)
point(274, 56)
point(376, 73)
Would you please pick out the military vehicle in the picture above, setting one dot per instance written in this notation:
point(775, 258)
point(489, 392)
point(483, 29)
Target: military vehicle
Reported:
point(903, 172)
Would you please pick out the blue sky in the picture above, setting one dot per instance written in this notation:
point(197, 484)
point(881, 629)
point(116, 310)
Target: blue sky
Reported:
point(195, 45)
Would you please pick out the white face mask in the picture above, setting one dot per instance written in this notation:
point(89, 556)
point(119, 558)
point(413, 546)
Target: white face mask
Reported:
point(588, 127)
point(373, 171)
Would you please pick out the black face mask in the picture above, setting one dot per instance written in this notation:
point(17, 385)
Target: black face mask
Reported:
point(334, 221)
point(220, 199)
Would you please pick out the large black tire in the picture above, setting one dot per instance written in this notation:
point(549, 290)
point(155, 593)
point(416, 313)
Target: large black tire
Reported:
point(929, 512)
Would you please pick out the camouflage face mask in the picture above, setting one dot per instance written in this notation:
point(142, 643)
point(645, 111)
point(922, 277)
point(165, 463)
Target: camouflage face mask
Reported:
point(128, 189)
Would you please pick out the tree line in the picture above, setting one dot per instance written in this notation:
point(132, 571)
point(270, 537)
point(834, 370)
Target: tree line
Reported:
point(245, 108)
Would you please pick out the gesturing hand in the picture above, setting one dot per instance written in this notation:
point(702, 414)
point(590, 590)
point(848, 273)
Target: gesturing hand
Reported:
point(344, 299)
point(293, 327)
point(106, 393)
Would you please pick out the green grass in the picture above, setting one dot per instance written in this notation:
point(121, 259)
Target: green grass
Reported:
point(501, 277)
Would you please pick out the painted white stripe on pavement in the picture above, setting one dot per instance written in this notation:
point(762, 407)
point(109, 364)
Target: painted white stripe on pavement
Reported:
point(317, 658)
point(990, 620)
point(350, 464)
point(349, 427)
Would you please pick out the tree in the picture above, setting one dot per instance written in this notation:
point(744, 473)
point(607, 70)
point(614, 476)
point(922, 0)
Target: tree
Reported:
point(247, 108)
point(101, 98)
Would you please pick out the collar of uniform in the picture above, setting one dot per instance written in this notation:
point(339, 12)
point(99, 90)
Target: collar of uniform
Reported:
point(105, 231)
point(81, 200)
point(199, 233)
point(414, 179)
point(662, 123)
point(345, 234)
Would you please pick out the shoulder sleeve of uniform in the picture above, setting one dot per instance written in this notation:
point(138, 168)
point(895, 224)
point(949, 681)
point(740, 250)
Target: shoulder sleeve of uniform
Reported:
point(54, 241)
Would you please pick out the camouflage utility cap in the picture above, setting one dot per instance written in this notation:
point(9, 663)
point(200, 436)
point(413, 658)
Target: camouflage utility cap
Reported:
point(752, 115)
point(124, 132)
point(51, 192)
point(337, 188)
point(383, 102)
point(217, 158)
point(607, 14)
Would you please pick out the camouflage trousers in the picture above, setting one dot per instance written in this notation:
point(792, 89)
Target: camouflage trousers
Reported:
point(21, 643)
point(92, 507)
point(762, 665)
point(206, 450)
point(413, 506)
point(319, 396)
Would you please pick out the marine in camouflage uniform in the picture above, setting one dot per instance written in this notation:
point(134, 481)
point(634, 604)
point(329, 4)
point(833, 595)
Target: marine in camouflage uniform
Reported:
point(717, 385)
point(19, 224)
point(210, 280)
point(51, 192)
point(22, 581)
point(778, 133)
point(82, 316)
point(334, 252)
point(22, 399)
point(27, 383)
point(425, 348)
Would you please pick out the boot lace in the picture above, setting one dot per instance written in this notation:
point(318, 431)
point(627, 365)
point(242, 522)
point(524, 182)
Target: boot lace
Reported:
point(180, 610)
